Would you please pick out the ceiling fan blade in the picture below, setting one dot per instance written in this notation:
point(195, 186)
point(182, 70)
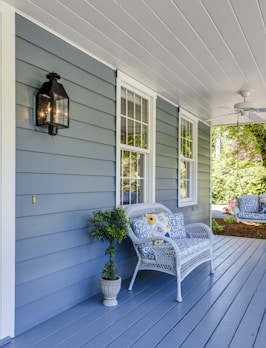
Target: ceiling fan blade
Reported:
point(261, 110)
point(257, 118)
point(221, 116)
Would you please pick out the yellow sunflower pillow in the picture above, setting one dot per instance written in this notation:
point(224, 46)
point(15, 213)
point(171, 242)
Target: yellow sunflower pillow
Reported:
point(159, 225)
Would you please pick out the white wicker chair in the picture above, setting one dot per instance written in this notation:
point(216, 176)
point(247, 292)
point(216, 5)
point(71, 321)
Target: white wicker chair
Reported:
point(178, 256)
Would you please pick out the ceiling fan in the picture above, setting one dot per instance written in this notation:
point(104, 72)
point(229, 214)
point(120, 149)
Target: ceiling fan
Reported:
point(246, 108)
point(247, 105)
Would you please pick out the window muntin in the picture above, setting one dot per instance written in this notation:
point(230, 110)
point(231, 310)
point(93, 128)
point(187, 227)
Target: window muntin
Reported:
point(134, 119)
point(135, 142)
point(131, 177)
point(187, 161)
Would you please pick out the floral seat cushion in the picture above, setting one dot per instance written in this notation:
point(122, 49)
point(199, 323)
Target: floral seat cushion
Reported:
point(187, 246)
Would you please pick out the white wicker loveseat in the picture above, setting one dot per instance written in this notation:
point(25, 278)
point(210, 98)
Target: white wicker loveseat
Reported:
point(163, 243)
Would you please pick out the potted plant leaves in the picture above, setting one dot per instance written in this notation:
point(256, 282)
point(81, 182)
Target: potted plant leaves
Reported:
point(110, 226)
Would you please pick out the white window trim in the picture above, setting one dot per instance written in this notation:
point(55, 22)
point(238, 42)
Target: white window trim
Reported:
point(183, 114)
point(128, 82)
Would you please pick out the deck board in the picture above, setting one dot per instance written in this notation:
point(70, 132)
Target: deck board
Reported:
point(226, 309)
point(196, 304)
point(227, 327)
point(225, 301)
point(251, 322)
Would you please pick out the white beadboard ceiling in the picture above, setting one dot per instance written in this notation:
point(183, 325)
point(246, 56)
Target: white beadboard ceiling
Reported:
point(195, 53)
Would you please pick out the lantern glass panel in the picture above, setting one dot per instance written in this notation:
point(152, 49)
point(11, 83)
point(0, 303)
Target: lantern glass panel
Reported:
point(61, 112)
point(44, 110)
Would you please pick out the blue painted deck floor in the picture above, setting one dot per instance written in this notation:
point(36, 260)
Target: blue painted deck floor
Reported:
point(219, 311)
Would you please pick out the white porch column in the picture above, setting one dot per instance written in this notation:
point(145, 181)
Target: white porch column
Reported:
point(7, 171)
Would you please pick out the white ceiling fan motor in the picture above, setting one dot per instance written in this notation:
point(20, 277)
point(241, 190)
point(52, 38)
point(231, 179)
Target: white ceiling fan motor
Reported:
point(245, 105)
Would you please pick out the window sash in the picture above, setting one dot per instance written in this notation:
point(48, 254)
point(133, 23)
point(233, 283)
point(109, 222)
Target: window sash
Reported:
point(134, 119)
point(131, 177)
point(187, 159)
point(136, 106)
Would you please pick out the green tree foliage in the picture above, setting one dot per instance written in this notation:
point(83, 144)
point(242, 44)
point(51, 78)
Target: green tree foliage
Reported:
point(239, 162)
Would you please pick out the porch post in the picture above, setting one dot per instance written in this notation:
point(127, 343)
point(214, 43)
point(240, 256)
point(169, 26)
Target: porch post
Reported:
point(7, 172)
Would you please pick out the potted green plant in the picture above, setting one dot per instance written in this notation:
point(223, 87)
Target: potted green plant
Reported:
point(110, 226)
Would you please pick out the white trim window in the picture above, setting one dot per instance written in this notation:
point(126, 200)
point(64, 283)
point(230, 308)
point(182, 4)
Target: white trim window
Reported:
point(188, 135)
point(135, 142)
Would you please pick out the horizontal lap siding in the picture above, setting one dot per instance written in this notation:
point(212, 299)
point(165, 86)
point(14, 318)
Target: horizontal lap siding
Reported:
point(201, 211)
point(57, 262)
point(167, 164)
point(204, 172)
point(166, 153)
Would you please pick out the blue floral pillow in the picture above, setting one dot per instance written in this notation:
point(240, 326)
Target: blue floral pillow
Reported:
point(177, 225)
point(142, 230)
point(263, 207)
point(140, 227)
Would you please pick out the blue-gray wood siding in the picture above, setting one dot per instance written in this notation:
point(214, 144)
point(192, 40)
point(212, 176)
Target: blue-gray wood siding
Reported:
point(167, 164)
point(201, 211)
point(166, 154)
point(58, 264)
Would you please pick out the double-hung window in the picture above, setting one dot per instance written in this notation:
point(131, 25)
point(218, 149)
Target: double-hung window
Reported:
point(187, 159)
point(135, 142)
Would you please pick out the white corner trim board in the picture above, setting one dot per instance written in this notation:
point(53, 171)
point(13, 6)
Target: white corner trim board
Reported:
point(7, 172)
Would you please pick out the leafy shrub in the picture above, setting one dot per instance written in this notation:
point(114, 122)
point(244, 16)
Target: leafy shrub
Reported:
point(216, 228)
point(230, 220)
point(110, 226)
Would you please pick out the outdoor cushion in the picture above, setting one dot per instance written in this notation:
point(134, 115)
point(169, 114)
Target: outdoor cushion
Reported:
point(251, 216)
point(262, 204)
point(167, 224)
point(263, 207)
point(177, 225)
point(140, 227)
point(187, 246)
point(142, 230)
point(159, 224)
point(248, 204)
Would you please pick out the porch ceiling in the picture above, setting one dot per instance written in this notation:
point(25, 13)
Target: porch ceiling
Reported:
point(197, 54)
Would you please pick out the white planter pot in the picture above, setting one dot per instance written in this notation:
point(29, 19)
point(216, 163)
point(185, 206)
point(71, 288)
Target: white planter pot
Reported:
point(110, 290)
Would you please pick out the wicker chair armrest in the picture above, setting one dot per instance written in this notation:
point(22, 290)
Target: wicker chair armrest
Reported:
point(199, 230)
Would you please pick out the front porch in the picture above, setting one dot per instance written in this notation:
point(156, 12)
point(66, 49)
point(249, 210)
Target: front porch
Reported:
point(223, 310)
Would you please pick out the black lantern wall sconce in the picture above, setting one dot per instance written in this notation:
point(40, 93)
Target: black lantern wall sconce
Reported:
point(52, 105)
